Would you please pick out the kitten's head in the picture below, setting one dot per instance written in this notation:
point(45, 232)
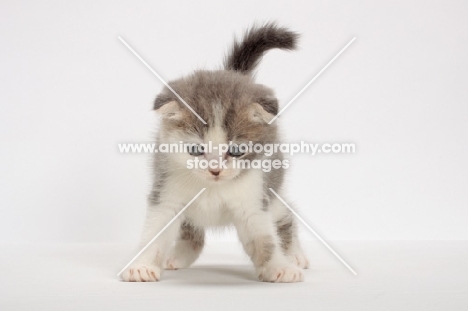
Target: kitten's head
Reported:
point(234, 108)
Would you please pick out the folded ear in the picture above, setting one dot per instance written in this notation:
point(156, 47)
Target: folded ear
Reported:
point(167, 107)
point(270, 104)
point(259, 114)
point(171, 110)
point(264, 109)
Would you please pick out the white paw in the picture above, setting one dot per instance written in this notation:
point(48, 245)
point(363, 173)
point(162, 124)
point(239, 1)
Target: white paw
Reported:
point(282, 274)
point(299, 260)
point(141, 273)
point(173, 264)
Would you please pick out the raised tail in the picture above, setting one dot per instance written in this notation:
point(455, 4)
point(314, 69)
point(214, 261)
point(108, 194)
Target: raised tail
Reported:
point(245, 55)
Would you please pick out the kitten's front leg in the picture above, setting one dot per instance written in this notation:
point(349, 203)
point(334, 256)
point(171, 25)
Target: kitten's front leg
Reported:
point(148, 266)
point(257, 234)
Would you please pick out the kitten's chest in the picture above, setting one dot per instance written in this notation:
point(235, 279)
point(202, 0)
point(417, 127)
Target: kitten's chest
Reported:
point(217, 204)
point(210, 209)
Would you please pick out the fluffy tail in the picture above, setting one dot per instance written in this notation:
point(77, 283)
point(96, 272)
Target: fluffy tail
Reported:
point(245, 55)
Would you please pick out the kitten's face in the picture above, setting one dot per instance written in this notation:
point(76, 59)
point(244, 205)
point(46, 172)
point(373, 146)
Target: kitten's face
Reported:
point(235, 109)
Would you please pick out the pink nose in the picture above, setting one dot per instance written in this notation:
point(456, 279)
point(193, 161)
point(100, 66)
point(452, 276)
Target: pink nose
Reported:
point(214, 172)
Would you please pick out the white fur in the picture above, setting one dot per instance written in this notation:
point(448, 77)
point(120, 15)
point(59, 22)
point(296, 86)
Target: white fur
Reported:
point(226, 201)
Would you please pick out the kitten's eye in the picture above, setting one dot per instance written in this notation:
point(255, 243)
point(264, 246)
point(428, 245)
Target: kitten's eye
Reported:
point(196, 150)
point(234, 151)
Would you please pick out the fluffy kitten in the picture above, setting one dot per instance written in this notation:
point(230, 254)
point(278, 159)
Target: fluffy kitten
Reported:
point(235, 109)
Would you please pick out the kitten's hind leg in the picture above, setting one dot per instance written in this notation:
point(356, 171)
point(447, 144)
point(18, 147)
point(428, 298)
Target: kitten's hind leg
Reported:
point(187, 247)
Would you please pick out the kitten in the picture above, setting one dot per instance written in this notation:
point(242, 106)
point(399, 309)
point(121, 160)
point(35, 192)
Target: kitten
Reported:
point(235, 109)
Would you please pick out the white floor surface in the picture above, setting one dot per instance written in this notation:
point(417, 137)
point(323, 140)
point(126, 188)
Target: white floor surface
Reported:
point(392, 275)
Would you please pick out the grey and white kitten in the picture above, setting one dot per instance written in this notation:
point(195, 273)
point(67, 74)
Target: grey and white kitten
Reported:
point(238, 110)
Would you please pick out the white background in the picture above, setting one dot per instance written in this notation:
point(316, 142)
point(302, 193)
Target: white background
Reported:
point(70, 92)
